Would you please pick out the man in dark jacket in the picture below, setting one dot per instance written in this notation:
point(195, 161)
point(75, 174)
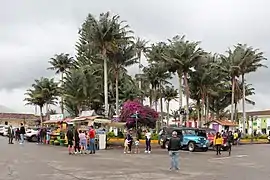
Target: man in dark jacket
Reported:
point(174, 146)
point(70, 138)
point(230, 140)
point(10, 134)
point(22, 133)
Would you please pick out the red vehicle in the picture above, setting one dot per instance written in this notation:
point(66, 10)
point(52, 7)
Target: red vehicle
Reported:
point(210, 136)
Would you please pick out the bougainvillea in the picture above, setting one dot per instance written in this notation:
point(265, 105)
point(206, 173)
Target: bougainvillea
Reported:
point(146, 115)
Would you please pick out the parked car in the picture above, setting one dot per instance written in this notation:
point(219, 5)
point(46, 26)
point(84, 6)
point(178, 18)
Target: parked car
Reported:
point(31, 134)
point(3, 130)
point(210, 133)
point(192, 138)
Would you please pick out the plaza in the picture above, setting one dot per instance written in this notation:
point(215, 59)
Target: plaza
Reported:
point(44, 162)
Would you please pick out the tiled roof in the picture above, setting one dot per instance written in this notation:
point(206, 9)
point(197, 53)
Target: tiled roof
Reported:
point(225, 122)
point(17, 116)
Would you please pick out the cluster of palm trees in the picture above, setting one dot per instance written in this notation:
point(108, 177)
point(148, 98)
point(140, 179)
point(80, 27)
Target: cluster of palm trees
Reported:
point(97, 78)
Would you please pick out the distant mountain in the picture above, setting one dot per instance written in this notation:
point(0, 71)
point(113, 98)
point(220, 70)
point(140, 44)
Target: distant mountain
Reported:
point(4, 109)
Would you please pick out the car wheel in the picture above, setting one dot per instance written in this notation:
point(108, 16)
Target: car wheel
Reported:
point(191, 146)
point(33, 139)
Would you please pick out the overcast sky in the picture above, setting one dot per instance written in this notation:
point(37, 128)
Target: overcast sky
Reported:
point(33, 31)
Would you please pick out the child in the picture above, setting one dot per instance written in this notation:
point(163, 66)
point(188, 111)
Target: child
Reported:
point(82, 137)
point(126, 146)
point(137, 142)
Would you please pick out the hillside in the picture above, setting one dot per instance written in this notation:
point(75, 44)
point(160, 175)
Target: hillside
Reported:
point(4, 109)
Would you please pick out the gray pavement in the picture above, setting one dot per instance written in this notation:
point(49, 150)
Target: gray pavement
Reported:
point(42, 162)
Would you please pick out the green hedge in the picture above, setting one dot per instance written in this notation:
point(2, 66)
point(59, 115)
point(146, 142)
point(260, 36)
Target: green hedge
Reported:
point(264, 136)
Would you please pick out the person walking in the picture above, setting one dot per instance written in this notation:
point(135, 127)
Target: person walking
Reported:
point(230, 139)
point(77, 141)
point(174, 146)
point(22, 133)
point(217, 142)
point(148, 141)
point(92, 140)
point(10, 134)
point(70, 138)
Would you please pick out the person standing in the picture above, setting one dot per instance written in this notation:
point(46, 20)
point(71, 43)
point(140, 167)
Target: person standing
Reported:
point(22, 133)
point(129, 140)
point(10, 134)
point(92, 140)
point(70, 138)
point(17, 134)
point(148, 141)
point(218, 142)
point(174, 146)
point(77, 141)
point(82, 137)
point(230, 141)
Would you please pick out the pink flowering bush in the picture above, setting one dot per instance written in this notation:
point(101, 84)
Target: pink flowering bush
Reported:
point(146, 115)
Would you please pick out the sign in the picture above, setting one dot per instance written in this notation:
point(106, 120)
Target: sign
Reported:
point(56, 117)
point(88, 113)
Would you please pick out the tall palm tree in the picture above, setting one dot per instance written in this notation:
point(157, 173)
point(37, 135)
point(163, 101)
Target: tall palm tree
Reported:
point(141, 48)
point(43, 92)
point(103, 34)
point(123, 57)
point(186, 55)
point(250, 63)
point(169, 94)
point(61, 63)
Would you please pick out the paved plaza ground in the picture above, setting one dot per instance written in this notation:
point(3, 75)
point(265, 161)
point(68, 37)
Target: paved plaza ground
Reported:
point(42, 162)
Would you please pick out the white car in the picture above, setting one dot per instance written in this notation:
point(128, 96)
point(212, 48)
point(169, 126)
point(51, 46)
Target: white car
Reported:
point(3, 130)
point(31, 134)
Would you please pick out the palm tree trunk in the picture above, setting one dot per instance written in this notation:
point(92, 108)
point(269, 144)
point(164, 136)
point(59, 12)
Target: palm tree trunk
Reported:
point(244, 104)
point(203, 117)
point(187, 96)
point(207, 109)
point(180, 90)
point(235, 111)
point(198, 113)
point(232, 100)
point(106, 101)
point(168, 112)
point(161, 108)
point(35, 109)
point(140, 71)
point(41, 115)
point(116, 94)
point(62, 96)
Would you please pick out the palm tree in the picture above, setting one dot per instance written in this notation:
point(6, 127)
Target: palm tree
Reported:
point(35, 98)
point(169, 94)
point(104, 34)
point(250, 63)
point(123, 57)
point(184, 55)
point(43, 92)
point(140, 47)
point(61, 63)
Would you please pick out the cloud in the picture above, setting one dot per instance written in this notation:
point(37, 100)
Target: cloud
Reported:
point(33, 31)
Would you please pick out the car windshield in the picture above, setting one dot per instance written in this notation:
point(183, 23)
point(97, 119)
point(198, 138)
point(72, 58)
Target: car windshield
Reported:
point(195, 132)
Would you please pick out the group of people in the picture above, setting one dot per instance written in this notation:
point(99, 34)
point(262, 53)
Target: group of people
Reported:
point(81, 141)
point(230, 137)
point(129, 141)
point(18, 134)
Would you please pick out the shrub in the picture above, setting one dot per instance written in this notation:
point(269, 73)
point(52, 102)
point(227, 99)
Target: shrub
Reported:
point(62, 141)
point(120, 135)
point(264, 136)
point(56, 142)
point(110, 135)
